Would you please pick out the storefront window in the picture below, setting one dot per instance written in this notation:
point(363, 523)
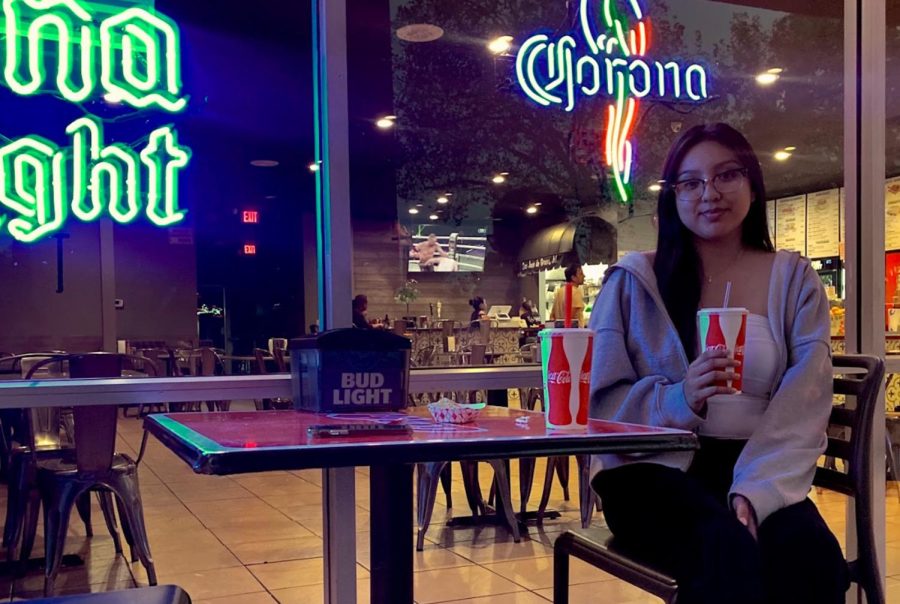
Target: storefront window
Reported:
point(492, 144)
point(155, 177)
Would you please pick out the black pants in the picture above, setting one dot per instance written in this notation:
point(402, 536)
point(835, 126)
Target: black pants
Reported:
point(682, 521)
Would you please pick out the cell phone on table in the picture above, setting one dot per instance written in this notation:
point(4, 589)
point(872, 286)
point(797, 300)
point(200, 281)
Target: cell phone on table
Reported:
point(345, 430)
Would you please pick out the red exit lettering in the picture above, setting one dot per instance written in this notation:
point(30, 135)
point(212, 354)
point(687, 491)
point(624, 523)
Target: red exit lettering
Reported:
point(249, 249)
point(250, 217)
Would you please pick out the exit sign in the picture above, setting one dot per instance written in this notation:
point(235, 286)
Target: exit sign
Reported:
point(250, 217)
point(249, 249)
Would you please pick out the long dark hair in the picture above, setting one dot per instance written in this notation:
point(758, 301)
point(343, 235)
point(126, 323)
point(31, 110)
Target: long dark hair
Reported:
point(678, 268)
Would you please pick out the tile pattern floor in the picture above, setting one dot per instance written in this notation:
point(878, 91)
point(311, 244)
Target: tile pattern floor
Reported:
point(257, 538)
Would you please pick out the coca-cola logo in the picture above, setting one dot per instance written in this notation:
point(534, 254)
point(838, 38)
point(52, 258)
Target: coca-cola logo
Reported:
point(585, 377)
point(559, 377)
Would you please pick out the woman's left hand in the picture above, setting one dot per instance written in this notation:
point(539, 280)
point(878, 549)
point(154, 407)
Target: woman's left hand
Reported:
point(745, 513)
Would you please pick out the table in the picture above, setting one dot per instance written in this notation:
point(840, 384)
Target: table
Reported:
point(237, 442)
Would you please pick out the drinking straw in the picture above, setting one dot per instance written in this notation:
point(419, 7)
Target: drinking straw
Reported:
point(568, 321)
point(727, 293)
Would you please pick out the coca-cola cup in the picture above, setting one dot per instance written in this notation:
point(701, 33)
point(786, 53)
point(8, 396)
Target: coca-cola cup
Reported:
point(566, 364)
point(724, 328)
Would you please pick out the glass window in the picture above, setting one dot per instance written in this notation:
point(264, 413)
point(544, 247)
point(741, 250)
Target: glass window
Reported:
point(494, 143)
point(160, 201)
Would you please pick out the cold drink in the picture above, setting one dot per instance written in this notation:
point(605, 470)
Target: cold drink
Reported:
point(566, 356)
point(724, 328)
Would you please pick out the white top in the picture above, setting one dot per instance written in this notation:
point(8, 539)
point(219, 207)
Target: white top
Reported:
point(737, 415)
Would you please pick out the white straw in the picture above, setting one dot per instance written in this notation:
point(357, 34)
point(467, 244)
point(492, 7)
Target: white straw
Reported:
point(727, 294)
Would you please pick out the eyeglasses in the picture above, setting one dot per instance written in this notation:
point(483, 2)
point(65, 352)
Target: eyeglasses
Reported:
point(692, 189)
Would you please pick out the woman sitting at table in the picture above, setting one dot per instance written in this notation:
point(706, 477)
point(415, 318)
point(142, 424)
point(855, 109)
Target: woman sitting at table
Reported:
point(731, 521)
point(478, 312)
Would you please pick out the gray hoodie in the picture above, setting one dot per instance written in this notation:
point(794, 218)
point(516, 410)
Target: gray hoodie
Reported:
point(639, 365)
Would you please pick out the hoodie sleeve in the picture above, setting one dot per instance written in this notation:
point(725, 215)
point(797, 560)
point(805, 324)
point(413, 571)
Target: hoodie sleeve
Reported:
point(618, 391)
point(777, 465)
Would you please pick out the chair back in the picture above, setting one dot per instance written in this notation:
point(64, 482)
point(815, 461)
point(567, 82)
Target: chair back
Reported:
point(477, 354)
point(260, 355)
point(39, 427)
point(95, 425)
point(400, 327)
point(278, 353)
point(277, 343)
point(162, 359)
point(854, 451)
point(209, 362)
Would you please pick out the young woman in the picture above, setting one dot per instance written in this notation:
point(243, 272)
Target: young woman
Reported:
point(732, 520)
point(478, 311)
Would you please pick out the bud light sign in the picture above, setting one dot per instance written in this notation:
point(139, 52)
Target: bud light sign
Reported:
point(348, 370)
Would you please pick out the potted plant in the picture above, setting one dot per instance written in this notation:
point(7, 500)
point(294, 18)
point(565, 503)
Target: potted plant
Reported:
point(407, 293)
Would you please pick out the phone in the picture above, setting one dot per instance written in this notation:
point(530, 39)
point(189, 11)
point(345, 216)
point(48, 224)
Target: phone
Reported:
point(344, 430)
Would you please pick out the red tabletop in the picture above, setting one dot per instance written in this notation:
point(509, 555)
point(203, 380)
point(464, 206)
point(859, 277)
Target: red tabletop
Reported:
point(233, 442)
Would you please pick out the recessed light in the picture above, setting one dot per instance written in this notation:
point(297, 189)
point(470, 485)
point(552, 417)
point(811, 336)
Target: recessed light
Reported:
point(790, 148)
point(537, 204)
point(767, 78)
point(775, 70)
point(433, 217)
point(264, 163)
point(314, 167)
point(443, 199)
point(413, 211)
point(655, 187)
point(500, 45)
point(387, 122)
point(781, 155)
point(499, 179)
point(531, 210)
point(420, 32)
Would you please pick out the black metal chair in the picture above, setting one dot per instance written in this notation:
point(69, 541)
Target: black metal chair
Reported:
point(598, 546)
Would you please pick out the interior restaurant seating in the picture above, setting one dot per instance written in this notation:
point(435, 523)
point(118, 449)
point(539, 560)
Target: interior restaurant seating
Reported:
point(599, 547)
point(64, 479)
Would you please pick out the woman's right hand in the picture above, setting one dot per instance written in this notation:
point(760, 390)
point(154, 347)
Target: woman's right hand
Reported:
point(699, 383)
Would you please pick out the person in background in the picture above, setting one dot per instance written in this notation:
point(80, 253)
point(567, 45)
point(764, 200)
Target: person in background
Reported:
point(429, 253)
point(360, 307)
point(528, 314)
point(478, 311)
point(732, 521)
point(574, 279)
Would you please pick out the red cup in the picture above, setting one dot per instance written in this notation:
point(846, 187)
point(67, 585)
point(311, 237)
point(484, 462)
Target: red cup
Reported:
point(725, 328)
point(566, 356)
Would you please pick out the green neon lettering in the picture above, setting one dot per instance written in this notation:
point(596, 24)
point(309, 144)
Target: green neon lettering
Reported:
point(40, 183)
point(138, 53)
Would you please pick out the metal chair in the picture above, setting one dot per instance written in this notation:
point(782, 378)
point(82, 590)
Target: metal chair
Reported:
point(96, 467)
point(598, 546)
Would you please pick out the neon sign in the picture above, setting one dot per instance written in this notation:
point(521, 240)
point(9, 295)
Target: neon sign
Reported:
point(129, 56)
point(612, 62)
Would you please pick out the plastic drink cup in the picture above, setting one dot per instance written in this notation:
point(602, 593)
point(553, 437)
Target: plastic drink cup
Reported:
point(566, 366)
point(724, 328)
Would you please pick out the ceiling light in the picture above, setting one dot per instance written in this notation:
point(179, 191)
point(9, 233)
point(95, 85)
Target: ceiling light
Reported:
point(433, 217)
point(775, 70)
point(790, 148)
point(531, 210)
point(264, 163)
point(386, 122)
point(498, 179)
point(500, 45)
point(537, 204)
point(413, 211)
point(314, 167)
point(767, 78)
point(655, 187)
point(420, 32)
point(443, 199)
point(781, 155)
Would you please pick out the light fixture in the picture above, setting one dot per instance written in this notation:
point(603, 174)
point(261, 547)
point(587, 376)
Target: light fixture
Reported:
point(500, 45)
point(413, 211)
point(790, 148)
point(531, 210)
point(433, 217)
point(420, 32)
point(443, 200)
point(781, 155)
point(768, 78)
point(387, 122)
point(264, 163)
point(314, 167)
point(655, 188)
point(537, 204)
point(775, 70)
point(499, 179)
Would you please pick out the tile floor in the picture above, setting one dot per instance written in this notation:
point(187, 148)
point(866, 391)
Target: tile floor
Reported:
point(257, 538)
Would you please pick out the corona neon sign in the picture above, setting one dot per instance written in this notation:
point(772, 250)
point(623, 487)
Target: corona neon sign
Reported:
point(128, 55)
point(612, 62)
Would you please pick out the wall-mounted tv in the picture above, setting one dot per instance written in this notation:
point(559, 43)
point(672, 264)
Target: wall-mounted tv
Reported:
point(437, 248)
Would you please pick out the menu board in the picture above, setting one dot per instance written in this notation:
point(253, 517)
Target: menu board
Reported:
point(892, 214)
point(770, 220)
point(791, 223)
point(823, 210)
